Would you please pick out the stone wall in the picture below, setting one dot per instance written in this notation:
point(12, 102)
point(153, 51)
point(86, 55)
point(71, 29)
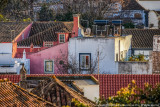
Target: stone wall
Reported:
point(156, 54)
point(134, 68)
point(156, 62)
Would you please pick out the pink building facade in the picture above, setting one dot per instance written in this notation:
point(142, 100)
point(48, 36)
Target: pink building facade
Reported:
point(45, 58)
point(44, 62)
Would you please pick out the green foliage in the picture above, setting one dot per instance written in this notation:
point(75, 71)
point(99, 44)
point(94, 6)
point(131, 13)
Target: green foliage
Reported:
point(65, 17)
point(45, 14)
point(137, 58)
point(27, 20)
point(76, 103)
point(100, 101)
point(134, 95)
point(128, 25)
point(3, 19)
point(150, 95)
point(88, 17)
point(3, 4)
point(15, 10)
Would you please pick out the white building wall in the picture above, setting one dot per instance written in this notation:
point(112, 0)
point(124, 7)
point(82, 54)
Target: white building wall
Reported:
point(7, 60)
point(153, 19)
point(146, 53)
point(90, 91)
point(125, 44)
point(91, 45)
point(150, 5)
point(5, 48)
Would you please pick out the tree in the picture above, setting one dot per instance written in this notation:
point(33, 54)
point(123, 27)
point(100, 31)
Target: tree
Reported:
point(65, 17)
point(15, 10)
point(134, 95)
point(45, 14)
point(71, 66)
point(3, 4)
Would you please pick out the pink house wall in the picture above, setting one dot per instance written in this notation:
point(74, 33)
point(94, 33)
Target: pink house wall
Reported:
point(37, 59)
point(26, 32)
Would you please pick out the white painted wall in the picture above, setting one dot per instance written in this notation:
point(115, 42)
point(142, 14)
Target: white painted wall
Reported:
point(15, 69)
point(6, 48)
point(135, 67)
point(107, 62)
point(146, 53)
point(125, 44)
point(150, 5)
point(6, 59)
point(90, 91)
point(153, 19)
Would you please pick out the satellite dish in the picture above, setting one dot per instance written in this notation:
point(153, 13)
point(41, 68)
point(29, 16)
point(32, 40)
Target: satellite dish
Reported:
point(88, 31)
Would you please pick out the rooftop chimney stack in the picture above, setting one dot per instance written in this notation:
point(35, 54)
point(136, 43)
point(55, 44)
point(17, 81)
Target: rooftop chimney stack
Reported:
point(76, 24)
point(23, 82)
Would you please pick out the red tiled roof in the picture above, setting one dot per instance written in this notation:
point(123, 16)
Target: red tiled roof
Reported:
point(131, 5)
point(110, 84)
point(142, 38)
point(12, 95)
point(45, 31)
point(10, 30)
point(13, 78)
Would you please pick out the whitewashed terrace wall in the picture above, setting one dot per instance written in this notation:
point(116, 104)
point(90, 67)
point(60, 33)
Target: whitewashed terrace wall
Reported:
point(135, 67)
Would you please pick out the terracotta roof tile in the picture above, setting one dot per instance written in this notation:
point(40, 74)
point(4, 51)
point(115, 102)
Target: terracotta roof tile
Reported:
point(7, 30)
point(75, 94)
point(142, 38)
point(45, 31)
point(131, 5)
point(13, 95)
point(110, 84)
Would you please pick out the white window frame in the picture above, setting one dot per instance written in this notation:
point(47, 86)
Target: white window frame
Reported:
point(89, 61)
point(49, 72)
point(60, 37)
point(48, 44)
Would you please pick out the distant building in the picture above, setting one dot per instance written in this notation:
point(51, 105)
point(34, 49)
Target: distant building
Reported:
point(154, 19)
point(150, 4)
point(130, 11)
point(142, 40)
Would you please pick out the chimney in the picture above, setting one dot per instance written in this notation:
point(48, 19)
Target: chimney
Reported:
point(75, 25)
point(23, 82)
point(31, 48)
point(23, 73)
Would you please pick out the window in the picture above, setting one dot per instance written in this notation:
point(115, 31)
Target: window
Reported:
point(48, 44)
point(48, 66)
point(61, 38)
point(85, 60)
